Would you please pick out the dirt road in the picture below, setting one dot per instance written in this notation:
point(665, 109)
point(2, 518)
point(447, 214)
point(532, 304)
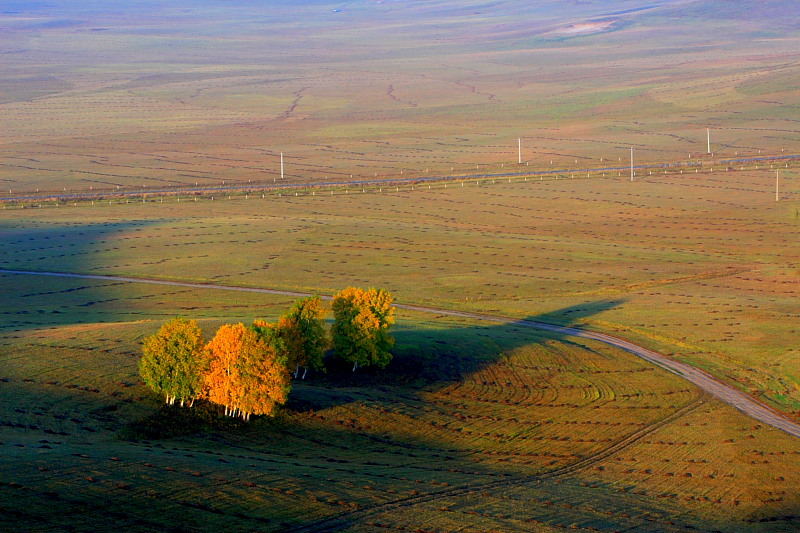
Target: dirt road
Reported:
point(701, 379)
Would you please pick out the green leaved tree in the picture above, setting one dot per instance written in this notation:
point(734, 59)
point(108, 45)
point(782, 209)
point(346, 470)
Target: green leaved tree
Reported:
point(301, 331)
point(360, 331)
point(173, 361)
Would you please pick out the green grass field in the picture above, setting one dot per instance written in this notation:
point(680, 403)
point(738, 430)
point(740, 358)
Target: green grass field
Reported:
point(472, 428)
point(666, 260)
point(92, 98)
point(461, 431)
point(474, 449)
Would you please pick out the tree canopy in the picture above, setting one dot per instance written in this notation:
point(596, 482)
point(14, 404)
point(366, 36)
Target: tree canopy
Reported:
point(246, 373)
point(360, 331)
point(246, 369)
point(173, 362)
point(223, 372)
point(302, 333)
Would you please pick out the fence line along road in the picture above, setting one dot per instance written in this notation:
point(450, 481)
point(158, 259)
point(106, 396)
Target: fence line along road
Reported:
point(132, 192)
point(700, 378)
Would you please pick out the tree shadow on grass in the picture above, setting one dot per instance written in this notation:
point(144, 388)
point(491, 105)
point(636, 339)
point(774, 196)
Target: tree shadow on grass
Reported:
point(316, 453)
point(428, 357)
point(425, 359)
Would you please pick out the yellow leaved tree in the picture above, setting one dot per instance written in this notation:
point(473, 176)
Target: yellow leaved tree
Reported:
point(360, 331)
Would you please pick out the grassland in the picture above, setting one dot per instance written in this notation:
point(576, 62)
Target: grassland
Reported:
point(705, 250)
point(490, 451)
point(93, 98)
point(473, 428)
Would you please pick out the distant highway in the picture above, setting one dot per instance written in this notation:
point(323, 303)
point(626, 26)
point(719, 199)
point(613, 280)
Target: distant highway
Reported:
point(701, 379)
point(132, 192)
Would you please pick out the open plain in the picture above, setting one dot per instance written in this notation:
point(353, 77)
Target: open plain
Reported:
point(474, 427)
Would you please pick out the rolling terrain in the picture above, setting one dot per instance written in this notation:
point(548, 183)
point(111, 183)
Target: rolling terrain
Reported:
point(97, 97)
point(476, 426)
point(488, 427)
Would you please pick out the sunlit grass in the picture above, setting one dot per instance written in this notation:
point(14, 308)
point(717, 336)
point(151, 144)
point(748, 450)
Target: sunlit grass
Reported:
point(474, 427)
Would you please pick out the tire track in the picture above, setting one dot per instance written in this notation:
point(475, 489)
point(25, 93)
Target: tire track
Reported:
point(346, 519)
point(700, 378)
point(390, 94)
point(298, 95)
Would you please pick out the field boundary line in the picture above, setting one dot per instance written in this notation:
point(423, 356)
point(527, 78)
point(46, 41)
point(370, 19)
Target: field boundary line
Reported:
point(705, 381)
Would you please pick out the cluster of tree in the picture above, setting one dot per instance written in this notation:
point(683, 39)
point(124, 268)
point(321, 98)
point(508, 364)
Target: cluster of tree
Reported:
point(247, 369)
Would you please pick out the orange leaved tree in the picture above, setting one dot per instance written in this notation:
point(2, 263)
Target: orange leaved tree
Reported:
point(360, 331)
point(264, 379)
point(223, 374)
point(246, 374)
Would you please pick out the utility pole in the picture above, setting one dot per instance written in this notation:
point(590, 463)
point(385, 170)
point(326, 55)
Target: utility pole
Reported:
point(777, 181)
point(281, 165)
point(631, 163)
point(519, 150)
point(708, 138)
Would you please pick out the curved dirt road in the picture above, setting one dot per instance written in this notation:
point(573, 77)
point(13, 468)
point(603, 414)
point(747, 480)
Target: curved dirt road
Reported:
point(703, 380)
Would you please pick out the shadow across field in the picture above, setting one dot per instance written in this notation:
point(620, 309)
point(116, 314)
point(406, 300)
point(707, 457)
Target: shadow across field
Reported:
point(46, 300)
point(427, 356)
point(32, 302)
point(356, 448)
point(425, 360)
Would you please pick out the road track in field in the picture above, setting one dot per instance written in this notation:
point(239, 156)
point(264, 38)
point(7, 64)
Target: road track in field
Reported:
point(708, 385)
point(700, 378)
point(348, 518)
